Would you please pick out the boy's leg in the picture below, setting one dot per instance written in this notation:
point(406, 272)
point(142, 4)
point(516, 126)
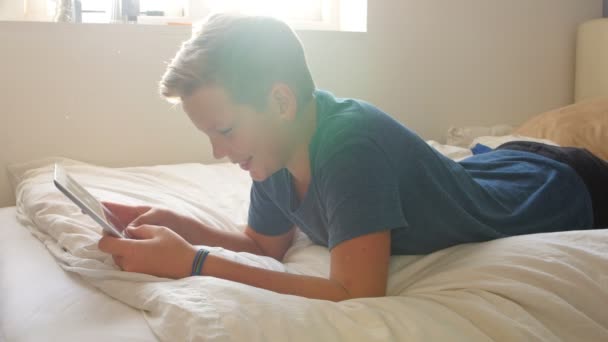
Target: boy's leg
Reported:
point(592, 170)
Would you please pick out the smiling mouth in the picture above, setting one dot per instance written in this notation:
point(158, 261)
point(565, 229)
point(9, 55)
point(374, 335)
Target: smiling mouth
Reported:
point(245, 164)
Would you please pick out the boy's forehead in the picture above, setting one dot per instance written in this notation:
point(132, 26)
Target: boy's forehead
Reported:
point(206, 102)
point(207, 96)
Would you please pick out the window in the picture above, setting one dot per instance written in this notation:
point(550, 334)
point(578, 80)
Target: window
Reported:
point(345, 15)
point(95, 11)
point(109, 11)
point(312, 14)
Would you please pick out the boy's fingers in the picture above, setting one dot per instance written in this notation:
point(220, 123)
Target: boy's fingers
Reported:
point(125, 208)
point(120, 247)
point(142, 232)
point(125, 213)
point(117, 260)
point(142, 219)
point(115, 246)
point(150, 217)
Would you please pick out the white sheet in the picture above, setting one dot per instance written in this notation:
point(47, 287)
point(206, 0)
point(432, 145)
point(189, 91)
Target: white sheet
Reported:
point(42, 302)
point(539, 287)
point(463, 150)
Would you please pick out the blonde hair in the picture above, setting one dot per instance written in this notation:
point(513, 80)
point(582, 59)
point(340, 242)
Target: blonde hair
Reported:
point(245, 55)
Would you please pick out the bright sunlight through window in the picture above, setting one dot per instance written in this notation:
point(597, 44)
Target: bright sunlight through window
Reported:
point(340, 15)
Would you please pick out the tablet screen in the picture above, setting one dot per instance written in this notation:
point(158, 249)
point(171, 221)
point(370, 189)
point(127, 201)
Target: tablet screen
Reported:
point(84, 196)
point(89, 204)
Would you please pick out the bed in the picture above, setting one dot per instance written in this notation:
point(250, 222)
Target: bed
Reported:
point(42, 302)
point(56, 285)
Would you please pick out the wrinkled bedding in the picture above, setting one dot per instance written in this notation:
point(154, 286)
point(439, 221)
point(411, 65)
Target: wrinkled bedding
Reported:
point(545, 287)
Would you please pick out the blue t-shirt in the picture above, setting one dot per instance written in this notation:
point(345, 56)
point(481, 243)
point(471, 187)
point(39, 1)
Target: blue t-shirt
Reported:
point(369, 173)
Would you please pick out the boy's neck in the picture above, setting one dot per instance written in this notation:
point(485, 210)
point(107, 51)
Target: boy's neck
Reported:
point(299, 163)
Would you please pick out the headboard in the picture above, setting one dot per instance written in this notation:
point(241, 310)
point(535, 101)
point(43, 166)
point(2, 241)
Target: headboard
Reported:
point(592, 60)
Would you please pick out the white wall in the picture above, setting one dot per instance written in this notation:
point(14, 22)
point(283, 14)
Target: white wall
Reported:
point(434, 63)
point(430, 63)
point(11, 10)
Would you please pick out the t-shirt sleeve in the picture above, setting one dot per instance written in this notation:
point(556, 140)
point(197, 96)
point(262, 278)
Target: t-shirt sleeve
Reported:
point(265, 217)
point(359, 189)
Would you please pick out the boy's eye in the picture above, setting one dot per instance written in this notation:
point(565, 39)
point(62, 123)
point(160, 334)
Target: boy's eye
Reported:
point(225, 131)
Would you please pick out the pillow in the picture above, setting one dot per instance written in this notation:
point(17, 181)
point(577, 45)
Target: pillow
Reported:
point(582, 124)
point(464, 136)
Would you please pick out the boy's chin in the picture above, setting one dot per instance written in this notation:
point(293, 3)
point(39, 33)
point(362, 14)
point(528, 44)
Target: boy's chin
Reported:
point(259, 175)
point(256, 176)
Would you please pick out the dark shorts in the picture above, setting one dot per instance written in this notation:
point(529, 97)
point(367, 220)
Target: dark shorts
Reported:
point(592, 170)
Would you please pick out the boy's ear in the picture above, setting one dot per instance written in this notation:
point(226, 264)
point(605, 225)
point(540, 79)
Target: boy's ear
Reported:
point(283, 101)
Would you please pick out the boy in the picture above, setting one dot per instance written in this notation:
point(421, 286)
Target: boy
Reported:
point(347, 174)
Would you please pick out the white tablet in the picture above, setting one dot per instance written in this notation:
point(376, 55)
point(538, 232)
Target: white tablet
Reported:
point(87, 203)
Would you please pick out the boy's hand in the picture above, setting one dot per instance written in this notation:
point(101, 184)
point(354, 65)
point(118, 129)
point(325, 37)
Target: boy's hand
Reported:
point(154, 250)
point(144, 215)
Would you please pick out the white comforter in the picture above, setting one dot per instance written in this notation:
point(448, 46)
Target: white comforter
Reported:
point(545, 287)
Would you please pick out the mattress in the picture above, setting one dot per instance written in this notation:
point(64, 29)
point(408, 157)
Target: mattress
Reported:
point(542, 287)
point(39, 301)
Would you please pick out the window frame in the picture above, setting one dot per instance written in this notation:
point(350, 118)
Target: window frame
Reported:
point(330, 17)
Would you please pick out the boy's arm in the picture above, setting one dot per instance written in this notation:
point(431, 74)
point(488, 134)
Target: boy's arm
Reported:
point(196, 233)
point(250, 241)
point(359, 267)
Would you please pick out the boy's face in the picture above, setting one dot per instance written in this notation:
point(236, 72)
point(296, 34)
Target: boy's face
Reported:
point(254, 140)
